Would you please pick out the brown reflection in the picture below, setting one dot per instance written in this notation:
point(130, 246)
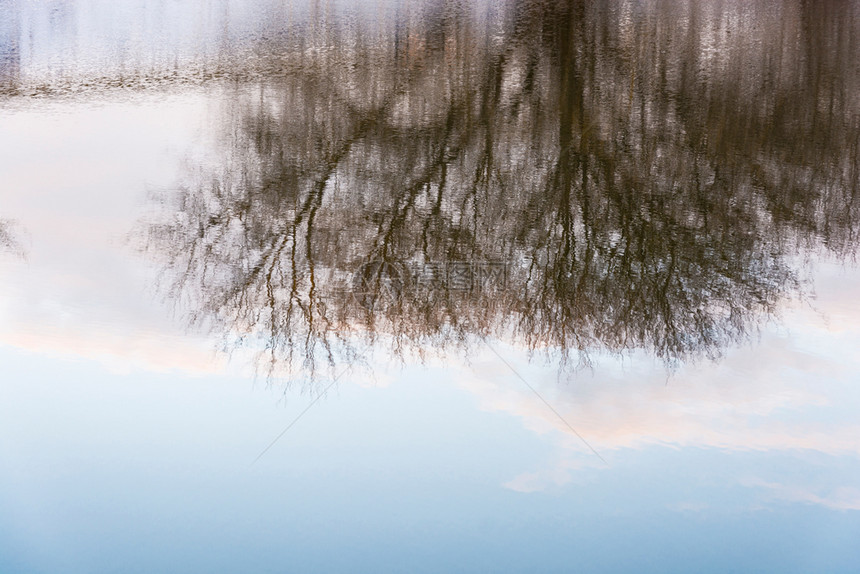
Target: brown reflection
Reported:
point(648, 178)
point(10, 50)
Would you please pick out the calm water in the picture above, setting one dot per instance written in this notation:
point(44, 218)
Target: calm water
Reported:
point(429, 286)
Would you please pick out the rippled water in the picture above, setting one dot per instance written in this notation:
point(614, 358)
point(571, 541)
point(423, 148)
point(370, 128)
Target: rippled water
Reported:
point(429, 286)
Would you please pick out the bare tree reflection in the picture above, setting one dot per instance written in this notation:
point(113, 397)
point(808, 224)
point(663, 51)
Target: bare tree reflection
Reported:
point(6, 240)
point(9, 238)
point(649, 178)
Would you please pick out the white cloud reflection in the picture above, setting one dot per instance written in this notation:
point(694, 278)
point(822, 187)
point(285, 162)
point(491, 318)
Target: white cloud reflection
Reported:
point(839, 498)
point(795, 390)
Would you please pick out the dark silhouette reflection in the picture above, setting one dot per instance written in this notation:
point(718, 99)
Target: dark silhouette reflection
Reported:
point(649, 179)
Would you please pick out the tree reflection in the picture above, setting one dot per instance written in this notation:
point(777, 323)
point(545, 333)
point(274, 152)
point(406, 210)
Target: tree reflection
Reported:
point(648, 178)
point(9, 241)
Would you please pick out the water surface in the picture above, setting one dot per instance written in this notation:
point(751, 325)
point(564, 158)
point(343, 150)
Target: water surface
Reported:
point(429, 286)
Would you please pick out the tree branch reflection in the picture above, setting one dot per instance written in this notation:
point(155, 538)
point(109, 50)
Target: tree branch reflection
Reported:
point(9, 238)
point(647, 179)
